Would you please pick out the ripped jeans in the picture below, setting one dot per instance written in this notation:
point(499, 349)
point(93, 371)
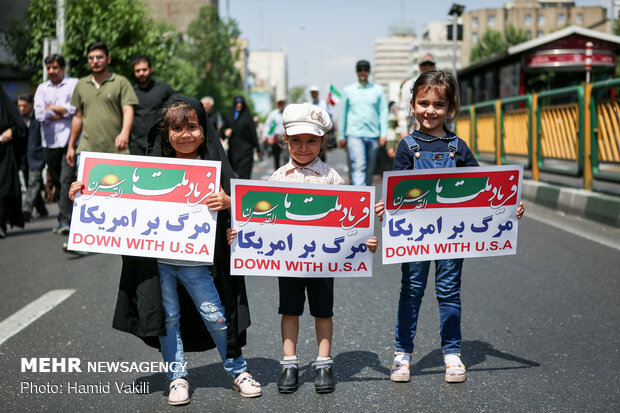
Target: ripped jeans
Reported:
point(199, 284)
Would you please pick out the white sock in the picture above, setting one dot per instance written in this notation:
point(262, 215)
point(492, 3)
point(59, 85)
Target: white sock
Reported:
point(451, 359)
point(402, 358)
point(320, 362)
point(292, 359)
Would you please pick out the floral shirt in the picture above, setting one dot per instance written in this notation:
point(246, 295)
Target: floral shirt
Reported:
point(316, 172)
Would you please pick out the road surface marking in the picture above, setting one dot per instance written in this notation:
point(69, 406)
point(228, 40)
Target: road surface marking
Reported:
point(562, 225)
point(30, 313)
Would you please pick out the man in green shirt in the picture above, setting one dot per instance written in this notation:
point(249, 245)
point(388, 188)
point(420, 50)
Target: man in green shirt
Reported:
point(104, 104)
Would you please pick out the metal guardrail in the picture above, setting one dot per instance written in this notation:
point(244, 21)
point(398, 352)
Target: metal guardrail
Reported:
point(569, 131)
point(605, 131)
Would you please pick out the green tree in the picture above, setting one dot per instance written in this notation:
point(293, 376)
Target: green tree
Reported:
point(214, 48)
point(297, 93)
point(24, 39)
point(125, 26)
point(489, 44)
point(492, 42)
point(515, 36)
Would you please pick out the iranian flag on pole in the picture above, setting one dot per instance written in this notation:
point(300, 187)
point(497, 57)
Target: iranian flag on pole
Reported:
point(333, 97)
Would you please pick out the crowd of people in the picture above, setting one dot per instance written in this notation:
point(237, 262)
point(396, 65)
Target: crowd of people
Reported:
point(180, 306)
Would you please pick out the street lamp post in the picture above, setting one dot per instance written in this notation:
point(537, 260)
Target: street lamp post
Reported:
point(455, 11)
point(588, 60)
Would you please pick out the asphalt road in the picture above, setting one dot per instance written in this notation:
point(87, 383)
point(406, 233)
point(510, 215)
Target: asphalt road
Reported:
point(541, 332)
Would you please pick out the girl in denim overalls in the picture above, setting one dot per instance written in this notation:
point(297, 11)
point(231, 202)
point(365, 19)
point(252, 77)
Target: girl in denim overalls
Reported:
point(435, 97)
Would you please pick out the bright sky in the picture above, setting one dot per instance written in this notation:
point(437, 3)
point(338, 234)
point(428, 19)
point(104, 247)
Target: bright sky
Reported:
point(324, 38)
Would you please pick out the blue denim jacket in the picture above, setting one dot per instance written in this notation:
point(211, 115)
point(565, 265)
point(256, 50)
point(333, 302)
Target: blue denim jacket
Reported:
point(404, 158)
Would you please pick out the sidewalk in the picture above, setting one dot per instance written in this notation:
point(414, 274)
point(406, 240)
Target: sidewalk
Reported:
point(601, 207)
point(595, 206)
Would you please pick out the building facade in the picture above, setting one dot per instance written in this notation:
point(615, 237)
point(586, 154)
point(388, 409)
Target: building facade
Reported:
point(536, 17)
point(395, 56)
point(268, 74)
point(435, 42)
point(178, 13)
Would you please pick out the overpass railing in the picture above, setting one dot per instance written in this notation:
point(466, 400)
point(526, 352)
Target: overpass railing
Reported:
point(570, 131)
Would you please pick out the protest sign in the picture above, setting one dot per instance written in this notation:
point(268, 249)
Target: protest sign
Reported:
point(145, 206)
point(301, 230)
point(450, 213)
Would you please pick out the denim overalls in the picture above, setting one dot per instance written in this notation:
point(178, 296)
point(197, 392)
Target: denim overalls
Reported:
point(415, 275)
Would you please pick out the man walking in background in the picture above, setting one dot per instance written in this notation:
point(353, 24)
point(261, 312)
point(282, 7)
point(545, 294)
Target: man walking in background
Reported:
point(363, 122)
point(212, 116)
point(53, 109)
point(272, 130)
point(152, 95)
point(104, 103)
point(407, 123)
point(35, 160)
point(316, 101)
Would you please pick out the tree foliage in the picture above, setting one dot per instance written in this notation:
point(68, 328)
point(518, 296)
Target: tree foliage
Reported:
point(492, 42)
point(125, 27)
point(213, 48)
point(515, 36)
point(202, 65)
point(24, 39)
point(297, 94)
point(489, 44)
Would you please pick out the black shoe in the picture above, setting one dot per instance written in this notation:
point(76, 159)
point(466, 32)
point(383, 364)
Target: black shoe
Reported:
point(324, 380)
point(43, 213)
point(27, 215)
point(289, 379)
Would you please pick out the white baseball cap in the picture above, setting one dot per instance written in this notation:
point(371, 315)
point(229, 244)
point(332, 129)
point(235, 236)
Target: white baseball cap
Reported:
point(314, 88)
point(299, 118)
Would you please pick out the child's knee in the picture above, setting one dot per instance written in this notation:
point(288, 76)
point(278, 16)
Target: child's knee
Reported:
point(213, 315)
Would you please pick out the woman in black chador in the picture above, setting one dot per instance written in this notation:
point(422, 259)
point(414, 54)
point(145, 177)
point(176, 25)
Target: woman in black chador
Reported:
point(240, 130)
point(12, 144)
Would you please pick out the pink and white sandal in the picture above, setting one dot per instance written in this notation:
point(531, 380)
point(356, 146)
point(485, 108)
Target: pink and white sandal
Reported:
point(455, 372)
point(247, 386)
point(179, 392)
point(399, 372)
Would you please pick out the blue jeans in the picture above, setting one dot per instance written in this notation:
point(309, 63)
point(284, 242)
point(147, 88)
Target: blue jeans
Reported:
point(363, 153)
point(199, 284)
point(448, 291)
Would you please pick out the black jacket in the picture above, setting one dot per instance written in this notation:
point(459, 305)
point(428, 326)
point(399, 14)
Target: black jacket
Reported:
point(139, 310)
point(34, 154)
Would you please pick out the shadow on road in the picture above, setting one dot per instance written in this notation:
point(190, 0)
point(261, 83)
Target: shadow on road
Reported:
point(213, 375)
point(474, 353)
point(347, 367)
point(14, 233)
